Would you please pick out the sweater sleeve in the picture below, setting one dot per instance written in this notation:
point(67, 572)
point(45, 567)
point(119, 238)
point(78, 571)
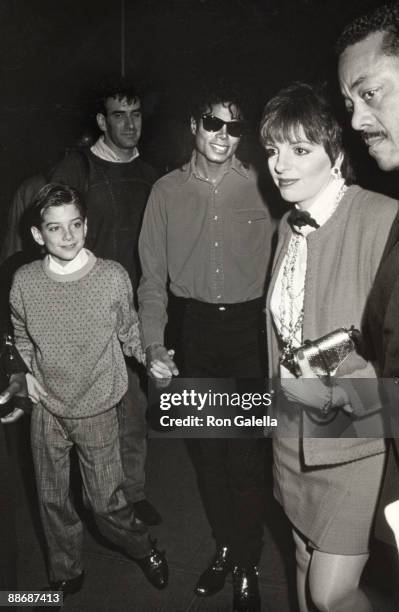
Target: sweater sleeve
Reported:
point(21, 336)
point(152, 292)
point(128, 328)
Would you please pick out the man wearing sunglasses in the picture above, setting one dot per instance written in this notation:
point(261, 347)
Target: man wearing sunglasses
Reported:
point(207, 234)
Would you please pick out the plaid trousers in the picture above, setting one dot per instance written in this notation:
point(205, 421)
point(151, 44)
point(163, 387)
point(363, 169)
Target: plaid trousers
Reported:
point(133, 436)
point(97, 444)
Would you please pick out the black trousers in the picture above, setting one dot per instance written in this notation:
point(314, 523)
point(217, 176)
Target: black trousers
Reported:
point(226, 341)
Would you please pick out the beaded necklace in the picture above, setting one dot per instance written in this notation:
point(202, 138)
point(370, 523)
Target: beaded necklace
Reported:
point(290, 324)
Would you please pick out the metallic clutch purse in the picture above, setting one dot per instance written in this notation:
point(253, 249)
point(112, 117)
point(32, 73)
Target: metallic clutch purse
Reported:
point(326, 354)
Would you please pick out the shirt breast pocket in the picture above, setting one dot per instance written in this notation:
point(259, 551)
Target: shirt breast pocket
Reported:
point(248, 231)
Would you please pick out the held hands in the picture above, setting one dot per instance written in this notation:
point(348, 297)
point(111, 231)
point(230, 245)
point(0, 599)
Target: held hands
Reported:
point(160, 362)
point(312, 392)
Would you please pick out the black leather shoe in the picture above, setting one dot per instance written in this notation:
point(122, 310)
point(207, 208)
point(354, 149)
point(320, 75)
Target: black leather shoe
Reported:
point(147, 513)
point(68, 587)
point(155, 568)
point(246, 590)
point(213, 578)
point(73, 585)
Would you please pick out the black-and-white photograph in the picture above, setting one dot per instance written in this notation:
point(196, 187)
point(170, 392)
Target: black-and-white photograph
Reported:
point(199, 330)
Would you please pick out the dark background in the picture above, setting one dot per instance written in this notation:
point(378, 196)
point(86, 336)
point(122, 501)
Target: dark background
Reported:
point(52, 54)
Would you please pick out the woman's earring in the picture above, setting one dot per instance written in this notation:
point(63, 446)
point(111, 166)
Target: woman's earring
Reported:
point(336, 172)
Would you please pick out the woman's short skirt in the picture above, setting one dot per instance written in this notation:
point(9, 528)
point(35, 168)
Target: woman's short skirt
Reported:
point(332, 506)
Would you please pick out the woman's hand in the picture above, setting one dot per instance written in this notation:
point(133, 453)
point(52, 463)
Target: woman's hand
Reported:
point(312, 392)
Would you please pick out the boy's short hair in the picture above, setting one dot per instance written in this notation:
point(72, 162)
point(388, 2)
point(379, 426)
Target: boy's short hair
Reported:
point(54, 194)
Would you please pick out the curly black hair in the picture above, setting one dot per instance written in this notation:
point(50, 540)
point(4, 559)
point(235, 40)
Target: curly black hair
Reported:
point(216, 91)
point(383, 19)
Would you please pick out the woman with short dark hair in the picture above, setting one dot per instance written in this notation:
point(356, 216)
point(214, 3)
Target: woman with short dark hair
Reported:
point(329, 249)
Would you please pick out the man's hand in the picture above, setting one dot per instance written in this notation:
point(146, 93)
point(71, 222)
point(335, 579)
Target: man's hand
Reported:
point(35, 389)
point(17, 386)
point(13, 416)
point(160, 363)
point(312, 392)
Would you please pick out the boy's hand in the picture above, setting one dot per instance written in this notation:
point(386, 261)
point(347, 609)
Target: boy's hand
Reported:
point(35, 389)
point(160, 363)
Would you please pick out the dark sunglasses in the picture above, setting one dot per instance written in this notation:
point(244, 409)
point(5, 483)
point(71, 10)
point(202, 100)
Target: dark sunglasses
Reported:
point(214, 124)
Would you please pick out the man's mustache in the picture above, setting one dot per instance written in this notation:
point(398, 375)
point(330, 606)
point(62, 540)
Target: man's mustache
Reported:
point(370, 135)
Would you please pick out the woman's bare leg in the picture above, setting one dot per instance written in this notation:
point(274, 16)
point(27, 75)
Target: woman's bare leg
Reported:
point(303, 558)
point(334, 582)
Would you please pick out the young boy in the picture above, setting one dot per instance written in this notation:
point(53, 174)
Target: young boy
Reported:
point(70, 313)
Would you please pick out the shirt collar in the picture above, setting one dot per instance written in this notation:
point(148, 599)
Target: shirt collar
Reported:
point(190, 169)
point(103, 151)
point(324, 205)
point(74, 265)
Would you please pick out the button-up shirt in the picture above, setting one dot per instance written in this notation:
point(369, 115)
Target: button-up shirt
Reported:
point(212, 242)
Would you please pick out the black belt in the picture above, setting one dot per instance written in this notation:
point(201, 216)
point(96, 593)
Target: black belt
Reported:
point(209, 307)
